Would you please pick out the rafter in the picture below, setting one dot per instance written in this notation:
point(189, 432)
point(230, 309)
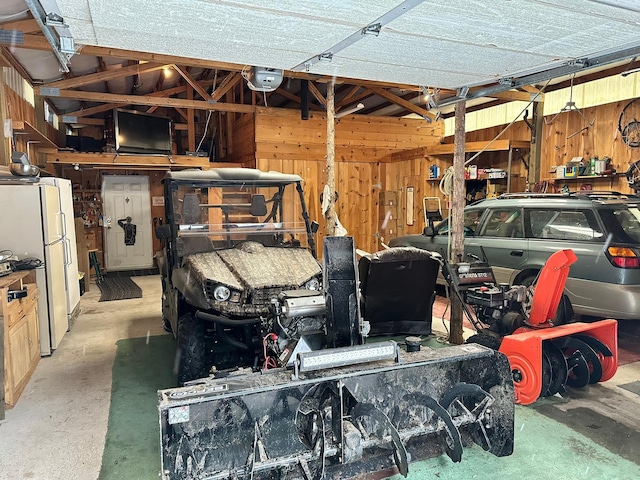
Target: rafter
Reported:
point(316, 93)
point(25, 26)
point(145, 100)
point(402, 102)
point(11, 60)
point(361, 96)
point(104, 76)
point(192, 81)
point(227, 84)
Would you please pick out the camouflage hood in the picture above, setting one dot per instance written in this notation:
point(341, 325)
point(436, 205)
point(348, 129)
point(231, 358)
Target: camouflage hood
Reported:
point(253, 266)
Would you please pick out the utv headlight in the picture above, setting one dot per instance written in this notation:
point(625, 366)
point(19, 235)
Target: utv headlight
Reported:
point(221, 293)
point(313, 284)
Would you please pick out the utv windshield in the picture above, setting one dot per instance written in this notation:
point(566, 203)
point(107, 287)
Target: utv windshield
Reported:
point(227, 215)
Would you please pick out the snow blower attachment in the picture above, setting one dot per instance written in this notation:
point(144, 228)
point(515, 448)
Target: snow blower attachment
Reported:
point(518, 321)
point(341, 411)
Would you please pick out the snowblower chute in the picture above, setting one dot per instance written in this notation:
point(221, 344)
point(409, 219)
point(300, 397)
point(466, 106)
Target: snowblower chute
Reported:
point(340, 411)
point(519, 321)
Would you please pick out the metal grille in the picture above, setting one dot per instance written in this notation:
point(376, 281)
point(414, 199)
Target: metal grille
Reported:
point(262, 296)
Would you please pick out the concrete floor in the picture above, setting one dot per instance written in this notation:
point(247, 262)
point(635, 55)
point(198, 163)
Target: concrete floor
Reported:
point(57, 429)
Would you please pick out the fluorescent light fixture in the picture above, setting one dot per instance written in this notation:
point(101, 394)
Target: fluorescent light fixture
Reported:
point(359, 106)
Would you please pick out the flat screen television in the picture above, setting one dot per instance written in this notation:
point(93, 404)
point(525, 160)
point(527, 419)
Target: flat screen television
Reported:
point(138, 132)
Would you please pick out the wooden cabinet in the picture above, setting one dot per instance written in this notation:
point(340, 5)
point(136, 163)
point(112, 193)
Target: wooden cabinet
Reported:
point(21, 332)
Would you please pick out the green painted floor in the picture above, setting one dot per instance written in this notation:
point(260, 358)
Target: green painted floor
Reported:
point(549, 443)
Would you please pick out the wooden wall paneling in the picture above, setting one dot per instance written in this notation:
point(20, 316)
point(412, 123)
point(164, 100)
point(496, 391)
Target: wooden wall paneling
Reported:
point(244, 144)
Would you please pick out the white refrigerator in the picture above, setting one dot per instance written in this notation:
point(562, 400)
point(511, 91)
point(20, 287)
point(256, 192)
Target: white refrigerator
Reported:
point(71, 282)
point(31, 225)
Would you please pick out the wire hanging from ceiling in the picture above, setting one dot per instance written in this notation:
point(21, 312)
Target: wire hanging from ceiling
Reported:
point(571, 106)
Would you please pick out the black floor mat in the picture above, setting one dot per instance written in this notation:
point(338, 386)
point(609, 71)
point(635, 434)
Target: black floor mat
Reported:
point(118, 288)
point(632, 387)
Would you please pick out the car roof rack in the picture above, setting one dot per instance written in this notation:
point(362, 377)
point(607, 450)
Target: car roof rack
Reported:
point(532, 195)
point(604, 195)
point(584, 194)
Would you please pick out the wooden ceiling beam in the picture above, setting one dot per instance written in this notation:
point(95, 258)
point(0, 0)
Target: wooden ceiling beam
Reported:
point(294, 98)
point(402, 102)
point(87, 112)
point(361, 96)
point(316, 93)
point(85, 120)
point(230, 81)
point(11, 60)
point(146, 100)
point(346, 98)
point(25, 26)
point(104, 76)
point(192, 81)
point(513, 95)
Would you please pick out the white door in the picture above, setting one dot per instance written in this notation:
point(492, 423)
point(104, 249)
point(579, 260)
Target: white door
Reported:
point(123, 197)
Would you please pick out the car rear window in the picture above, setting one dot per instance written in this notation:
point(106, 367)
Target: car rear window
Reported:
point(564, 225)
point(622, 223)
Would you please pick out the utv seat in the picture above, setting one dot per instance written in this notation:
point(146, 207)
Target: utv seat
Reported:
point(188, 245)
point(398, 290)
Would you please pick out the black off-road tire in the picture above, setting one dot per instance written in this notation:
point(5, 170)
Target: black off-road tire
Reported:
point(485, 340)
point(192, 349)
point(166, 325)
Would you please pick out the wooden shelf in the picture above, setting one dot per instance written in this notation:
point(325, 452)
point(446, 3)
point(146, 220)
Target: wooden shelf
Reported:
point(470, 147)
point(31, 134)
point(584, 177)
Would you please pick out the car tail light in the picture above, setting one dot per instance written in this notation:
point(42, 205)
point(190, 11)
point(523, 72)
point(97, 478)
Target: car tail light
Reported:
point(623, 257)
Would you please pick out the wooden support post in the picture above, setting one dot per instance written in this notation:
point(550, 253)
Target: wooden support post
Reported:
point(457, 218)
point(191, 128)
point(536, 144)
point(330, 214)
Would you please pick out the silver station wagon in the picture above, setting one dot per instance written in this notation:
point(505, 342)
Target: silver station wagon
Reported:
point(518, 232)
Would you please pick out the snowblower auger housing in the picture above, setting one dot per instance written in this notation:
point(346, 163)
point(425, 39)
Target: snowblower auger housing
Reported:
point(519, 321)
point(339, 422)
point(277, 379)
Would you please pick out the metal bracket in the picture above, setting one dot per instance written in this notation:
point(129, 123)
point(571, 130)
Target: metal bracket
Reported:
point(373, 29)
point(55, 30)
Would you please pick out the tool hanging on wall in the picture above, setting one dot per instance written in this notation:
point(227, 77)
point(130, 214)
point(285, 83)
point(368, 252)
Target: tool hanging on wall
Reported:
point(129, 230)
point(570, 106)
point(629, 125)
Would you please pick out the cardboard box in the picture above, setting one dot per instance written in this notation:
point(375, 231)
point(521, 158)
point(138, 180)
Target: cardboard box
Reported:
point(389, 229)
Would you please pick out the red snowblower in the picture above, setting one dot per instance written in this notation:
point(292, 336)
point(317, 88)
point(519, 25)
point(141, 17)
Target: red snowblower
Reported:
point(519, 321)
